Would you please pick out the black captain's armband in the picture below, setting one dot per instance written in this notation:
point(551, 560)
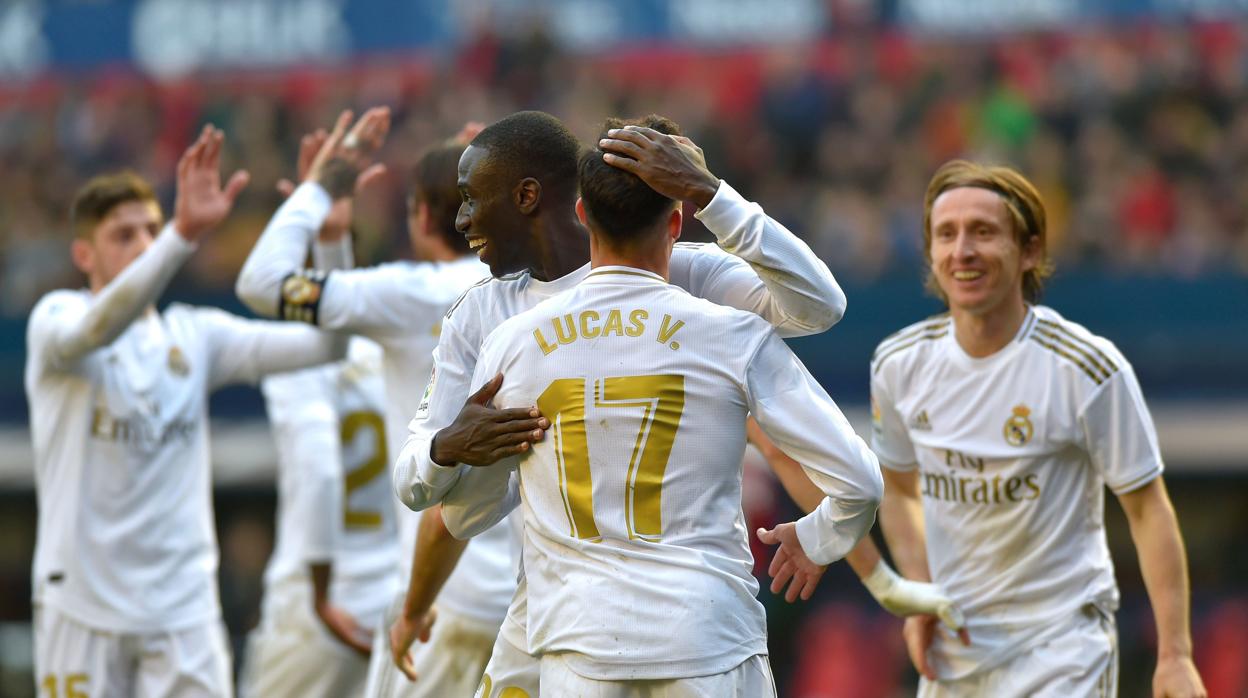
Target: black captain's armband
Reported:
point(301, 296)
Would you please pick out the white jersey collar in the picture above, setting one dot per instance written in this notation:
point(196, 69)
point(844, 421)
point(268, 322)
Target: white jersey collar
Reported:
point(1001, 354)
point(554, 287)
point(622, 274)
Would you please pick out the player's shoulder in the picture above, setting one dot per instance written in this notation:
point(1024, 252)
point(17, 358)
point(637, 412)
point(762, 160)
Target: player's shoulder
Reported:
point(1071, 345)
point(487, 291)
point(54, 303)
point(908, 343)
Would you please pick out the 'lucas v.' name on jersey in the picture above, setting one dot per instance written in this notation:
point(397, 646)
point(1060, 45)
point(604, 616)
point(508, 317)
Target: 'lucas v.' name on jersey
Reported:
point(635, 549)
point(1013, 451)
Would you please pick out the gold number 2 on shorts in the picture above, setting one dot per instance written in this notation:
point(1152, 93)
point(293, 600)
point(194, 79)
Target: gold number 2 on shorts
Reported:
point(662, 401)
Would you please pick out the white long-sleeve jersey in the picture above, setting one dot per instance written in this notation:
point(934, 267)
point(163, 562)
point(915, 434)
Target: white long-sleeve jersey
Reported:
point(118, 406)
point(334, 502)
point(400, 306)
point(636, 551)
point(1013, 452)
point(757, 266)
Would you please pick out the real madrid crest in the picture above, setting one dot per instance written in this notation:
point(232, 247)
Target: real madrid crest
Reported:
point(177, 362)
point(1018, 428)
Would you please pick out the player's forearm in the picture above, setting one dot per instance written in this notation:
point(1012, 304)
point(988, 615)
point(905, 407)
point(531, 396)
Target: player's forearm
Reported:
point(901, 521)
point(282, 248)
point(126, 296)
point(436, 554)
point(333, 254)
point(864, 557)
point(801, 286)
point(1163, 564)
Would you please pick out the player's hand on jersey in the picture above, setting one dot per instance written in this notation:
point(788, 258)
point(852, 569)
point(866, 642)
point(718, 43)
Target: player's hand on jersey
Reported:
point(344, 161)
point(918, 633)
point(1176, 677)
point(791, 563)
point(484, 435)
point(907, 597)
point(345, 628)
point(672, 165)
point(405, 631)
point(201, 202)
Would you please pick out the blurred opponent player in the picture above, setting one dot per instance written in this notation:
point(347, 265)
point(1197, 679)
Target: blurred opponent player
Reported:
point(518, 182)
point(399, 306)
point(125, 586)
point(332, 572)
point(1000, 424)
point(635, 547)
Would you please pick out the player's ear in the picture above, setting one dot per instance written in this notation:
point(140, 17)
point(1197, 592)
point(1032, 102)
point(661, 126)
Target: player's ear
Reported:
point(675, 221)
point(527, 195)
point(1032, 253)
point(83, 254)
point(580, 212)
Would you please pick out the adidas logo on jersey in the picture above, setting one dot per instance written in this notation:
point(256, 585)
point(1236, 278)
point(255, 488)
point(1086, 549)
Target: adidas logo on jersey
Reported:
point(920, 421)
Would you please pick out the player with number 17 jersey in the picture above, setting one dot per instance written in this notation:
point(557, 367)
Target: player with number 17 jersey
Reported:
point(635, 550)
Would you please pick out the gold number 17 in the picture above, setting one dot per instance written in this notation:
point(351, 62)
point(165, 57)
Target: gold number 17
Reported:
point(662, 401)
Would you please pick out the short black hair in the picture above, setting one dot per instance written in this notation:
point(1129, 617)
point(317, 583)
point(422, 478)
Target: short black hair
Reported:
point(98, 197)
point(618, 202)
point(532, 144)
point(434, 183)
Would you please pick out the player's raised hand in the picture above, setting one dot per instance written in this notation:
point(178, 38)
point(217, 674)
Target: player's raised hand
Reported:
point(672, 165)
point(484, 435)
point(403, 633)
point(337, 222)
point(790, 563)
point(201, 201)
point(345, 628)
point(1176, 677)
point(344, 161)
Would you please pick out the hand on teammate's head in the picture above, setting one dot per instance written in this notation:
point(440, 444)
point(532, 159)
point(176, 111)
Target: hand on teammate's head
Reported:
point(202, 203)
point(672, 165)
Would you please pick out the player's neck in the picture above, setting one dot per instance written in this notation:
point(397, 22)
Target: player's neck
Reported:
point(982, 334)
point(563, 247)
point(653, 256)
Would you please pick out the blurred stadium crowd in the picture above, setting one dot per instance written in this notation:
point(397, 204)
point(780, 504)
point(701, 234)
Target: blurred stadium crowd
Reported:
point(1138, 136)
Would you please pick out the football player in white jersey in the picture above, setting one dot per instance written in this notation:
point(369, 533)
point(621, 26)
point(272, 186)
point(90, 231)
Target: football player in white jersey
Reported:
point(332, 572)
point(400, 306)
point(635, 550)
point(999, 424)
point(125, 588)
point(519, 209)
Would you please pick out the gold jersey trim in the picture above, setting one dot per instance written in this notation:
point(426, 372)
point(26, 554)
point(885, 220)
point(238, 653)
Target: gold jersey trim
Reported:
point(934, 322)
point(936, 334)
point(1069, 357)
point(1105, 360)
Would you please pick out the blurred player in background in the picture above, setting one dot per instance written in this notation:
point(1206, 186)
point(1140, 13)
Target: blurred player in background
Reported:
point(332, 572)
point(638, 567)
point(1000, 424)
point(518, 182)
point(125, 588)
point(400, 306)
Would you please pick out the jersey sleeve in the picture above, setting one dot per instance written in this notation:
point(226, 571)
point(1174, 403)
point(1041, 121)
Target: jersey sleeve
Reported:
point(482, 496)
point(273, 281)
point(795, 412)
point(305, 428)
point(889, 438)
point(1119, 434)
point(64, 331)
point(244, 351)
point(418, 481)
point(770, 272)
point(382, 301)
